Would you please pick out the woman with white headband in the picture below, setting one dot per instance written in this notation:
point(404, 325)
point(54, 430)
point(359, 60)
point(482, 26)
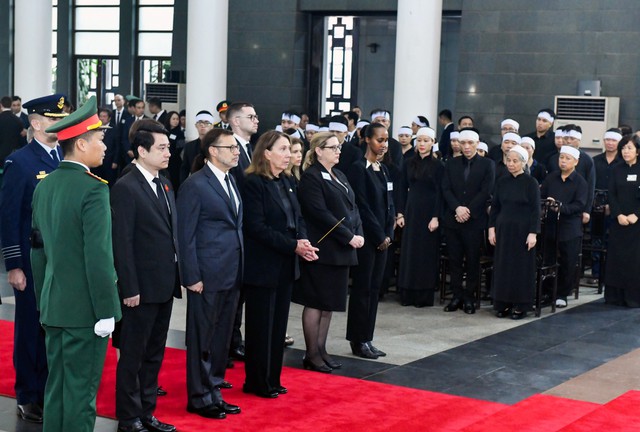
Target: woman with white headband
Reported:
point(418, 210)
point(537, 170)
point(513, 223)
point(623, 259)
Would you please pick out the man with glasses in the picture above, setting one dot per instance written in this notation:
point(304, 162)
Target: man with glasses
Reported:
point(244, 122)
point(23, 171)
point(204, 123)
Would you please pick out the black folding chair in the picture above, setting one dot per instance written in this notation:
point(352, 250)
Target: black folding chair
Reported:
point(547, 252)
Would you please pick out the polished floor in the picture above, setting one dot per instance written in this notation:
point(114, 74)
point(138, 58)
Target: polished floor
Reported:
point(589, 351)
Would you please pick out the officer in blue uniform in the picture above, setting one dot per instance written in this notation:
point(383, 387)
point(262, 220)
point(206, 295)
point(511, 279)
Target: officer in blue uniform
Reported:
point(23, 171)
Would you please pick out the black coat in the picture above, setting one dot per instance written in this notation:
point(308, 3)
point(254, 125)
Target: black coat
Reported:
point(268, 241)
point(10, 130)
point(375, 200)
point(243, 163)
point(144, 240)
point(191, 150)
point(473, 193)
point(324, 202)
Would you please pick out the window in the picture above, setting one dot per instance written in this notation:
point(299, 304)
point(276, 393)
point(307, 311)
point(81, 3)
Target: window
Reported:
point(340, 77)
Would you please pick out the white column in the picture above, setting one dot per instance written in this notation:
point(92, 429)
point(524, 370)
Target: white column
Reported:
point(32, 49)
point(417, 61)
point(207, 29)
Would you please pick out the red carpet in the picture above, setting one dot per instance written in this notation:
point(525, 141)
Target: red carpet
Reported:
point(318, 402)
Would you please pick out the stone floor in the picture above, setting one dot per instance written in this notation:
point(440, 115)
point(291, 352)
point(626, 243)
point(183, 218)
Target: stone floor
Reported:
point(589, 351)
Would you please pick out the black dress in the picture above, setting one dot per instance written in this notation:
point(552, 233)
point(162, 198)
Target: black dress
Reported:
point(176, 143)
point(515, 212)
point(622, 278)
point(419, 202)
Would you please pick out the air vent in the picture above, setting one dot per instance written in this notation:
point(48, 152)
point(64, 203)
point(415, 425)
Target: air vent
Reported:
point(593, 114)
point(585, 109)
point(166, 92)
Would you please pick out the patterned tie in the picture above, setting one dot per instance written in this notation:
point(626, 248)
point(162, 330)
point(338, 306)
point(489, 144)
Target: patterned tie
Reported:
point(232, 200)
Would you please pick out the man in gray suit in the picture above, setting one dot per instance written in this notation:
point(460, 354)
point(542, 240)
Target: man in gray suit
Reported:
point(211, 256)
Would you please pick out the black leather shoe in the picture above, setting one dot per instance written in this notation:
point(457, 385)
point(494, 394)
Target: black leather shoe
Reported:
point(281, 390)
point(518, 314)
point(332, 363)
point(362, 350)
point(30, 412)
point(226, 385)
point(375, 350)
point(237, 353)
point(288, 341)
point(210, 411)
point(309, 365)
point(154, 425)
point(136, 426)
point(271, 394)
point(453, 305)
point(227, 408)
point(503, 313)
point(469, 308)
point(161, 391)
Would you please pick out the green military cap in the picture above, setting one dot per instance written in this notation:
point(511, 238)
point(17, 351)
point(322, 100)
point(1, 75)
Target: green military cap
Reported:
point(83, 120)
point(130, 98)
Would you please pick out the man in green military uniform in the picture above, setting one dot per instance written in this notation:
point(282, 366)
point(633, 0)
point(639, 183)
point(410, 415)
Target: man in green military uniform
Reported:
point(74, 275)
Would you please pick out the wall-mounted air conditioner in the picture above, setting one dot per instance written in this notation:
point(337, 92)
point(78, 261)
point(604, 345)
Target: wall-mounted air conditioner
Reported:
point(593, 114)
point(172, 95)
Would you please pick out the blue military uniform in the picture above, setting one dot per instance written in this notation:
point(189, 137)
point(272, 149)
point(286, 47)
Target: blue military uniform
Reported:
point(23, 171)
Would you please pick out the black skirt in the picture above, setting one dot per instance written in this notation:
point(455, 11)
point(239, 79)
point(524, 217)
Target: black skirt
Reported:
point(322, 287)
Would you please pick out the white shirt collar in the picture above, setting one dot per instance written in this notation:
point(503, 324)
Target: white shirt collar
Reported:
point(241, 140)
point(217, 172)
point(147, 176)
point(47, 148)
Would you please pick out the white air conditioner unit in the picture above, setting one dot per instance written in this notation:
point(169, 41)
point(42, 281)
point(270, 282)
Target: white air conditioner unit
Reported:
point(593, 114)
point(172, 95)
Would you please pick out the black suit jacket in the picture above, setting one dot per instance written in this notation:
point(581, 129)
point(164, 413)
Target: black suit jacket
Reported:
point(238, 171)
point(472, 193)
point(209, 234)
point(191, 150)
point(10, 129)
point(269, 244)
point(324, 202)
point(445, 142)
point(375, 201)
point(144, 240)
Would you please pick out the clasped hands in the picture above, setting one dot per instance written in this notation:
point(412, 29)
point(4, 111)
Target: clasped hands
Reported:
point(626, 220)
point(306, 250)
point(463, 214)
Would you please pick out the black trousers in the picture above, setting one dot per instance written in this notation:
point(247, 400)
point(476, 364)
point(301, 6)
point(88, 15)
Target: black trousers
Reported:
point(363, 301)
point(236, 334)
point(209, 324)
point(266, 317)
point(463, 246)
point(29, 352)
point(143, 336)
point(568, 254)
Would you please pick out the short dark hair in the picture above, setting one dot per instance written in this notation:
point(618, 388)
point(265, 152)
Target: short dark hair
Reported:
point(625, 129)
point(236, 107)
point(155, 101)
point(446, 113)
point(142, 136)
point(209, 140)
point(424, 120)
point(633, 139)
point(548, 111)
point(68, 145)
point(16, 98)
point(133, 102)
point(339, 119)
point(465, 117)
point(6, 102)
point(106, 110)
point(351, 116)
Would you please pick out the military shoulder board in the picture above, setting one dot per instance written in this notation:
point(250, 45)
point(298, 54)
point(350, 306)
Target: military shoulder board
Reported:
point(89, 173)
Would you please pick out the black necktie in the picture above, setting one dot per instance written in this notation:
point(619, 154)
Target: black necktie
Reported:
point(54, 155)
point(232, 200)
point(117, 117)
point(162, 199)
point(249, 149)
point(467, 168)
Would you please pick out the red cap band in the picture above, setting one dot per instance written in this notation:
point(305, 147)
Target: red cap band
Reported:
point(91, 123)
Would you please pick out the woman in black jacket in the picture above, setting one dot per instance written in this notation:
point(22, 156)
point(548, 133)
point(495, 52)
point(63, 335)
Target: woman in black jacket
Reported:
point(333, 223)
point(274, 237)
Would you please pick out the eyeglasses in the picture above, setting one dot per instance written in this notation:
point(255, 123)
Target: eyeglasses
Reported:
point(336, 148)
point(233, 148)
point(252, 117)
point(203, 123)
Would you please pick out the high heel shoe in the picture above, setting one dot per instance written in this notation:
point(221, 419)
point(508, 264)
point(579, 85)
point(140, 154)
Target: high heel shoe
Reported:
point(332, 363)
point(309, 365)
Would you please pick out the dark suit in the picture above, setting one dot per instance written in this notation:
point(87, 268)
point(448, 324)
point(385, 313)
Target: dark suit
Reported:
point(465, 239)
point(191, 150)
point(162, 118)
point(445, 142)
point(211, 251)
point(349, 154)
point(145, 248)
point(22, 174)
point(375, 203)
point(243, 164)
point(324, 202)
point(125, 145)
point(117, 133)
point(271, 232)
point(111, 156)
point(10, 130)
point(25, 124)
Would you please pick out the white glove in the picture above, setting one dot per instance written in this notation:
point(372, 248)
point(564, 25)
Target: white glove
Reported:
point(105, 327)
